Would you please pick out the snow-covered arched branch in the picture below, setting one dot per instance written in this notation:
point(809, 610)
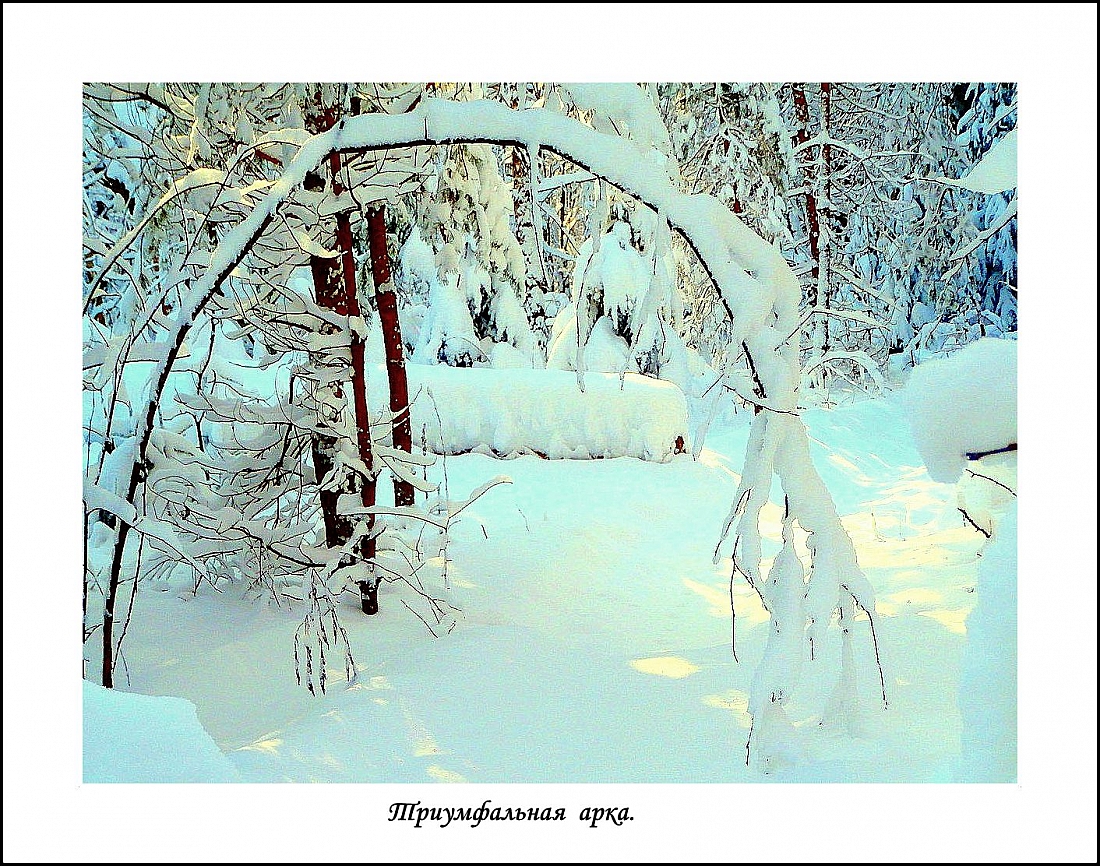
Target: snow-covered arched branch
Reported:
point(758, 289)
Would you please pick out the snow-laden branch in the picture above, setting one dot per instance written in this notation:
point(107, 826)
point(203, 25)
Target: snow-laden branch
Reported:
point(1000, 223)
point(861, 359)
point(960, 255)
point(550, 184)
point(851, 316)
point(197, 179)
point(109, 354)
point(823, 140)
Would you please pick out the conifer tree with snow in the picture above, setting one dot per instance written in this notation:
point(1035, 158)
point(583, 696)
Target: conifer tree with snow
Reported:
point(474, 313)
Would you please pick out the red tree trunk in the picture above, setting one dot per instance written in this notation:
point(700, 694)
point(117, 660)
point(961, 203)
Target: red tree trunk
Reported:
point(335, 287)
point(368, 589)
point(403, 494)
point(328, 291)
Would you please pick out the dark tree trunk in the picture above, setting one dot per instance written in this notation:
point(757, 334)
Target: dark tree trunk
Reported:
point(403, 494)
point(329, 293)
point(138, 472)
point(368, 589)
point(334, 284)
point(823, 293)
point(109, 605)
point(813, 228)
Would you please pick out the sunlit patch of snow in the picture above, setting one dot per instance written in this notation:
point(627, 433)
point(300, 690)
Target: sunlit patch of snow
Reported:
point(719, 601)
point(442, 775)
point(268, 746)
point(953, 620)
point(426, 746)
point(673, 667)
point(733, 700)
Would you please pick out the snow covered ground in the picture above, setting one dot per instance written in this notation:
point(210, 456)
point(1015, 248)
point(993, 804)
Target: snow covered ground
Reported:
point(594, 643)
point(138, 738)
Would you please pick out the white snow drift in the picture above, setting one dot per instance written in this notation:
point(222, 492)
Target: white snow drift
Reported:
point(987, 684)
point(138, 738)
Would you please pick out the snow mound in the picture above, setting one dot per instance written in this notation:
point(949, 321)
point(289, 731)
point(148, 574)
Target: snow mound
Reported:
point(987, 684)
point(986, 494)
point(525, 411)
point(963, 404)
point(138, 738)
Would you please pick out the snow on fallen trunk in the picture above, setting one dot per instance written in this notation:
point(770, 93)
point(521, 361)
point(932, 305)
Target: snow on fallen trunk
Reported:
point(138, 738)
point(987, 684)
point(524, 411)
point(963, 404)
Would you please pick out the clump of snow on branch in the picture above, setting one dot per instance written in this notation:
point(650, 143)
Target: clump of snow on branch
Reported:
point(624, 110)
point(995, 172)
point(963, 404)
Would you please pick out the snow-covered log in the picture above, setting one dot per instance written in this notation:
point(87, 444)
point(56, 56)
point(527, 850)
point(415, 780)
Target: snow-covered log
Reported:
point(456, 410)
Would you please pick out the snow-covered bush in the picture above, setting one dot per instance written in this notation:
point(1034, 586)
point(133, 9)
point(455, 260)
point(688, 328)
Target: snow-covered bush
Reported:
point(624, 287)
